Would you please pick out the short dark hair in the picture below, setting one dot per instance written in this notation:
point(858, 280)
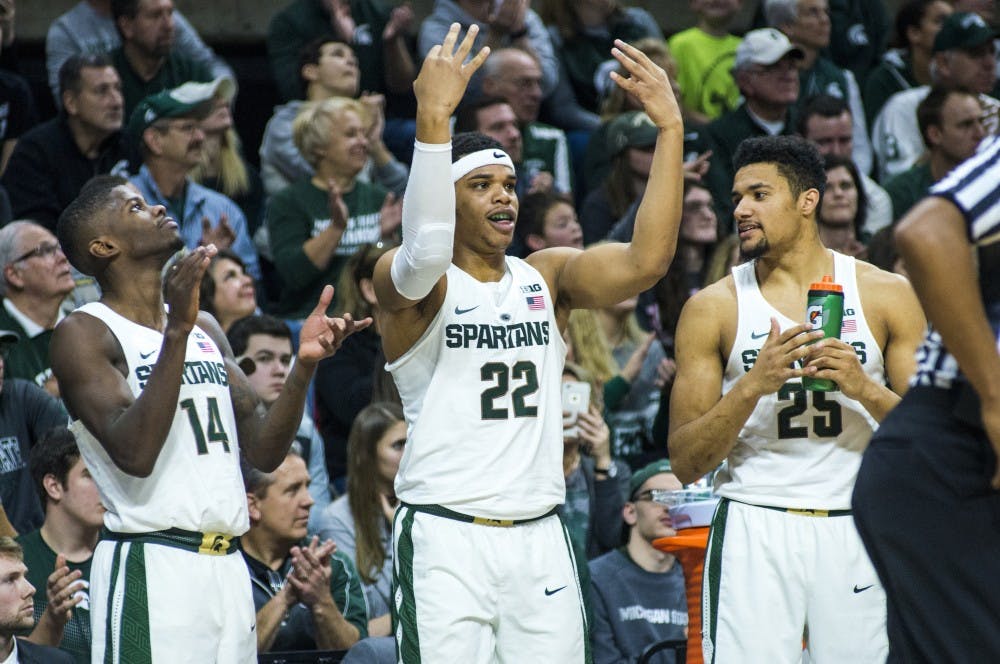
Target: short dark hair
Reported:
point(471, 141)
point(80, 217)
point(256, 481)
point(206, 291)
point(313, 51)
point(797, 160)
point(54, 454)
point(825, 106)
point(241, 331)
point(534, 207)
point(126, 8)
point(930, 108)
point(71, 71)
point(467, 117)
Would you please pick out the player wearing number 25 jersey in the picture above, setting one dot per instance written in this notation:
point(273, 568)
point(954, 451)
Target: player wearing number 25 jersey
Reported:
point(784, 558)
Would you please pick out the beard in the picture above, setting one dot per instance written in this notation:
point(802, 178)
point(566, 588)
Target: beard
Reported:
point(754, 251)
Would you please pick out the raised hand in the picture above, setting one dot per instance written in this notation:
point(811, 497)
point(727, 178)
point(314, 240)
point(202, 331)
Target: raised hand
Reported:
point(445, 74)
point(321, 335)
point(595, 436)
point(401, 20)
point(341, 20)
point(183, 281)
point(61, 591)
point(648, 83)
point(375, 103)
point(390, 215)
point(310, 579)
point(507, 16)
point(221, 235)
point(777, 361)
point(339, 213)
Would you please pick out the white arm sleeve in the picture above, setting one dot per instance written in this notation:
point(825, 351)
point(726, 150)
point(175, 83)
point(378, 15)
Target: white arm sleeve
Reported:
point(428, 222)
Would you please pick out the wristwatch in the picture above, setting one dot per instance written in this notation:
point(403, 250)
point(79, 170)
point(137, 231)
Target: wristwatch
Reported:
point(611, 471)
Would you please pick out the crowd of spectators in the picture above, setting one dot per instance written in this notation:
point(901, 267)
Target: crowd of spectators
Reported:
point(892, 106)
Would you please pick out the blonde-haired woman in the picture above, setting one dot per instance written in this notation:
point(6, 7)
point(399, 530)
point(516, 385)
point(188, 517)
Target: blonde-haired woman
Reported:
point(223, 167)
point(316, 224)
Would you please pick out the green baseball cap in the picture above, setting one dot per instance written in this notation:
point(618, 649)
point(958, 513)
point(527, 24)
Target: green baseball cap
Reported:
point(632, 129)
point(191, 98)
point(962, 30)
point(640, 476)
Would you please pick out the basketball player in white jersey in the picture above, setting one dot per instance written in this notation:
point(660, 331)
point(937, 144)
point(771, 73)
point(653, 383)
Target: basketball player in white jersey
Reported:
point(483, 566)
point(784, 557)
point(163, 414)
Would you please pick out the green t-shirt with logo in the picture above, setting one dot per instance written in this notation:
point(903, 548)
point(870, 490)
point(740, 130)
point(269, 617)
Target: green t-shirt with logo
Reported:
point(704, 63)
point(40, 560)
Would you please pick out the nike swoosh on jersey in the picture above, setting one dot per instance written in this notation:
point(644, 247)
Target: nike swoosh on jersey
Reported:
point(754, 335)
point(146, 355)
point(459, 311)
point(861, 590)
point(553, 592)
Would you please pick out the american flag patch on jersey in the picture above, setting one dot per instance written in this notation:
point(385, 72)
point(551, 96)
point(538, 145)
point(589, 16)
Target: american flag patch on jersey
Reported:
point(849, 325)
point(206, 346)
point(535, 302)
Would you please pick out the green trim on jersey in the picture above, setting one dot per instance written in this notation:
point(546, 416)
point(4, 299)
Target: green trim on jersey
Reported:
point(404, 606)
point(713, 574)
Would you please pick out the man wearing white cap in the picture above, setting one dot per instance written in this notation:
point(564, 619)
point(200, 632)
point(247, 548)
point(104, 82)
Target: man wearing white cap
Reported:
point(766, 72)
point(483, 566)
point(167, 127)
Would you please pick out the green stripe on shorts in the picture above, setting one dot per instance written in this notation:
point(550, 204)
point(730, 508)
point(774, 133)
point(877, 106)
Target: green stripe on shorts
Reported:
point(134, 641)
point(109, 645)
point(713, 577)
point(404, 607)
point(582, 594)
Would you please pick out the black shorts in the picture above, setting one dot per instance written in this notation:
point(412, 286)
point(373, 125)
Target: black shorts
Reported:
point(931, 524)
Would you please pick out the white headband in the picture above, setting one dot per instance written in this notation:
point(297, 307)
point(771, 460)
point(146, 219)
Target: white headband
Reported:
point(474, 160)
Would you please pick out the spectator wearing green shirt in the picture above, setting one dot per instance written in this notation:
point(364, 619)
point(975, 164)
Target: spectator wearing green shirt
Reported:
point(314, 225)
point(147, 61)
point(64, 545)
point(36, 279)
point(951, 125)
point(705, 54)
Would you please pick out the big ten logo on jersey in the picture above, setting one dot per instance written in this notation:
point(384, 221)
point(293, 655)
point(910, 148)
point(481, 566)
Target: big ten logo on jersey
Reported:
point(531, 288)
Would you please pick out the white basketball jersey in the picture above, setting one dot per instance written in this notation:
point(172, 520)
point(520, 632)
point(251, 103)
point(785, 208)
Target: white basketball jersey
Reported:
point(196, 483)
point(481, 390)
point(799, 448)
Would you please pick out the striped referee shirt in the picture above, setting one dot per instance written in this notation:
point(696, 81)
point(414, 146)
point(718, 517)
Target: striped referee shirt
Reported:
point(974, 188)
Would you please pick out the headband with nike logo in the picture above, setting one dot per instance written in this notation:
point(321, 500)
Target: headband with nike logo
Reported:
point(474, 160)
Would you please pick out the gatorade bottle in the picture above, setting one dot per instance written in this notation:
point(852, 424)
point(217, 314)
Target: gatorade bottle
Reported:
point(824, 311)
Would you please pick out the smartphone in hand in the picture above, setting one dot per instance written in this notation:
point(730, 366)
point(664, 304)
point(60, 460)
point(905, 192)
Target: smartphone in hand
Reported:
point(575, 400)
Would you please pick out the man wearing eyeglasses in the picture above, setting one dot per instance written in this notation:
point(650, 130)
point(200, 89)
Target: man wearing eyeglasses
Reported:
point(167, 128)
point(35, 280)
point(263, 348)
point(637, 591)
point(766, 72)
point(307, 595)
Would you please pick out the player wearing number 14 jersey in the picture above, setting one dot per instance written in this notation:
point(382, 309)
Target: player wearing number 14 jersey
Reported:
point(784, 558)
point(164, 413)
point(483, 567)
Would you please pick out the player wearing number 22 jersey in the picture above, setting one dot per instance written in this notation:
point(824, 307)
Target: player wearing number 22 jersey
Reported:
point(487, 347)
